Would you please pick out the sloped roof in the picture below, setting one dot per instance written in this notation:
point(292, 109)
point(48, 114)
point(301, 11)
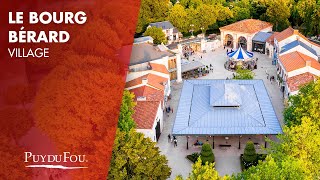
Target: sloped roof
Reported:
point(162, 25)
point(159, 68)
point(261, 36)
point(296, 43)
point(143, 39)
point(247, 26)
point(271, 38)
point(145, 114)
point(224, 95)
point(191, 66)
point(153, 80)
point(145, 52)
point(296, 60)
point(284, 34)
point(195, 116)
point(294, 83)
point(150, 93)
point(289, 32)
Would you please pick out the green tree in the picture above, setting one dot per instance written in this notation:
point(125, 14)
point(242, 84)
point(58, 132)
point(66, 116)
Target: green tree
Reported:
point(157, 34)
point(177, 16)
point(240, 13)
point(306, 9)
point(288, 168)
point(243, 74)
point(137, 157)
point(206, 154)
point(278, 12)
point(305, 104)
point(301, 142)
point(249, 154)
point(205, 172)
point(126, 122)
point(151, 11)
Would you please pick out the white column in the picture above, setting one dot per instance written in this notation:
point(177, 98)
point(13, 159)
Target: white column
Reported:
point(235, 41)
point(179, 49)
point(178, 61)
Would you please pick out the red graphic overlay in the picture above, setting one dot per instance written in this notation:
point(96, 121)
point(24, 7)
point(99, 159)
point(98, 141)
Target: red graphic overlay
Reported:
point(59, 114)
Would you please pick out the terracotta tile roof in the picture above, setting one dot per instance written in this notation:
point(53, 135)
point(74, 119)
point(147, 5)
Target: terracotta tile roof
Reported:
point(296, 60)
point(284, 34)
point(271, 38)
point(151, 94)
point(295, 82)
point(247, 26)
point(145, 114)
point(159, 68)
point(289, 32)
point(153, 80)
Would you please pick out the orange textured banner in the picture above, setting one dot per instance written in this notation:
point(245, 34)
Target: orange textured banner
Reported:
point(62, 75)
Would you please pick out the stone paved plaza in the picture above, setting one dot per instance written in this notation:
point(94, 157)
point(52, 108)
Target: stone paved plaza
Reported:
point(227, 160)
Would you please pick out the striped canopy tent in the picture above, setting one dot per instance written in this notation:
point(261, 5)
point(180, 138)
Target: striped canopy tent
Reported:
point(240, 55)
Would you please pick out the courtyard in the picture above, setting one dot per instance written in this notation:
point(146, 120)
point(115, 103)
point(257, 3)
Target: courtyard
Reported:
point(227, 160)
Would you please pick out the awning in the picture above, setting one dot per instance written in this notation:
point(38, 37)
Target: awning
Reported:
point(191, 66)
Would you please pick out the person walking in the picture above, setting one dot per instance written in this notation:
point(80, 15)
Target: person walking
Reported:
point(175, 143)
point(169, 137)
point(171, 110)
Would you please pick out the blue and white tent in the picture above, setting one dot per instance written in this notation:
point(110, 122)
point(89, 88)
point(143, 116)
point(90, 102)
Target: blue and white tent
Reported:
point(240, 55)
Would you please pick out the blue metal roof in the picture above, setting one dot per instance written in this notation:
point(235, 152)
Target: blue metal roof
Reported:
point(296, 43)
point(261, 36)
point(242, 107)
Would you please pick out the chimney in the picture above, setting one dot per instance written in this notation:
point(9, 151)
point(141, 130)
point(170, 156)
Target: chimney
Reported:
point(144, 81)
point(141, 98)
point(295, 31)
point(308, 63)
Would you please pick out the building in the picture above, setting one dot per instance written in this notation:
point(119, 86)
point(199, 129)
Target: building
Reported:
point(215, 108)
point(242, 33)
point(151, 70)
point(171, 33)
point(288, 36)
point(149, 111)
point(296, 69)
point(270, 45)
point(259, 41)
point(144, 54)
point(297, 60)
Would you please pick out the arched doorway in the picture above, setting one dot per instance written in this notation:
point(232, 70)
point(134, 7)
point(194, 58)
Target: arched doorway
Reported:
point(228, 40)
point(242, 42)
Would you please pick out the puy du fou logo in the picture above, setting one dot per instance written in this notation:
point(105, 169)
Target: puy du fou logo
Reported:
point(44, 160)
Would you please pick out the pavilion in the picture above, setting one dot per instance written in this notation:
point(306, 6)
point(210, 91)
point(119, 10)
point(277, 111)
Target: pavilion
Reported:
point(209, 108)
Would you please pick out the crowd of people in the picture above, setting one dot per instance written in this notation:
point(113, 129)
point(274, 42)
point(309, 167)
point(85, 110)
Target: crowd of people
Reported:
point(187, 51)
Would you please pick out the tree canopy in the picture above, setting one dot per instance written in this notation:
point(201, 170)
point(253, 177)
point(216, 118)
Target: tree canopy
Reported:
point(305, 104)
point(137, 157)
point(126, 122)
point(303, 14)
point(205, 172)
point(157, 34)
point(243, 74)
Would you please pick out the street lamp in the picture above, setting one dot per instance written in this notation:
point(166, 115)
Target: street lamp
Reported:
point(202, 28)
point(191, 30)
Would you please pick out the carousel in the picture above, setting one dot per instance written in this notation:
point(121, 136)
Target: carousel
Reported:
point(241, 58)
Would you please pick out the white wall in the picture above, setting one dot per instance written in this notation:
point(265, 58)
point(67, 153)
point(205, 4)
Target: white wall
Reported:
point(304, 70)
point(301, 50)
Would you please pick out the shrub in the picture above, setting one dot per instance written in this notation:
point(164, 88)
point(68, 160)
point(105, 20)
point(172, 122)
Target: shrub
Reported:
point(206, 154)
point(193, 157)
point(249, 155)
